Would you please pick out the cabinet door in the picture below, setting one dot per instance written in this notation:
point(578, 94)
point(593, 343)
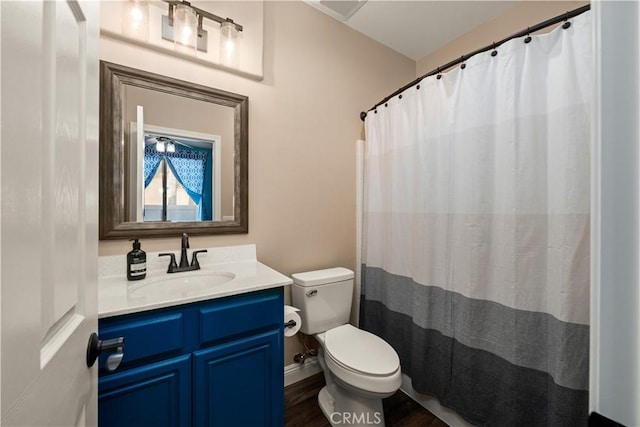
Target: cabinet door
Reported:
point(158, 394)
point(240, 383)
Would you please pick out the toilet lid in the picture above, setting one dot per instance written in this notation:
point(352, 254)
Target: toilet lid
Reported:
point(361, 351)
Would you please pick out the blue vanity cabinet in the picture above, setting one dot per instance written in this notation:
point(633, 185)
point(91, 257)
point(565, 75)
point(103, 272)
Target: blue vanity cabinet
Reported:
point(211, 363)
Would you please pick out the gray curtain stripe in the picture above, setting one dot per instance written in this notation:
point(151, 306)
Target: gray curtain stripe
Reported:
point(527, 339)
point(482, 387)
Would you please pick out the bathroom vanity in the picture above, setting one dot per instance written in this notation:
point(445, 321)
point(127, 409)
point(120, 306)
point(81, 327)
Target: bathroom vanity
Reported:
point(202, 348)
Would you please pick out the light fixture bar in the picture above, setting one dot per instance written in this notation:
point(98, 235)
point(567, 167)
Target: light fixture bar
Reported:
point(201, 13)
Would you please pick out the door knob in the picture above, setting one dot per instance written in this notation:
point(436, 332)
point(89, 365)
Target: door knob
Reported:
point(96, 347)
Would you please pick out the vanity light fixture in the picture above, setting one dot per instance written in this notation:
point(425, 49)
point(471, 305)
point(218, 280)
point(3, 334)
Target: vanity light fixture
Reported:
point(186, 21)
point(229, 44)
point(185, 27)
point(135, 19)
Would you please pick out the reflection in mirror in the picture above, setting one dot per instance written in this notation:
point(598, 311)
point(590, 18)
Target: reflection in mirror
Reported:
point(178, 179)
point(173, 156)
point(181, 168)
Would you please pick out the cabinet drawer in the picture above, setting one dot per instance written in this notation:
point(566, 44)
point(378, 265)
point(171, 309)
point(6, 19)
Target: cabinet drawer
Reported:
point(240, 315)
point(147, 337)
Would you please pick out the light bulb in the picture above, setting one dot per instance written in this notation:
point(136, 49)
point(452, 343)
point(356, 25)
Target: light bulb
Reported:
point(135, 19)
point(171, 148)
point(185, 35)
point(229, 47)
point(185, 29)
point(160, 146)
point(135, 16)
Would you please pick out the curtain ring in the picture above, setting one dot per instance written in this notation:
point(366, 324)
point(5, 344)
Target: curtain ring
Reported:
point(463, 65)
point(495, 52)
point(439, 76)
point(567, 23)
point(528, 38)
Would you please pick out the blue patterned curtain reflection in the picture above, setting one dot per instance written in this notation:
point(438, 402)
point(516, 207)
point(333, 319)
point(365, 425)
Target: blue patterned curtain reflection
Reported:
point(152, 160)
point(192, 168)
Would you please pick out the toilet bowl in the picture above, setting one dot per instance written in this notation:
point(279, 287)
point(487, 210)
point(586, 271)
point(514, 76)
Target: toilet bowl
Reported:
point(360, 368)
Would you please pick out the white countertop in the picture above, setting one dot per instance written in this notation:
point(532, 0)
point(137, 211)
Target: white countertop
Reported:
point(118, 296)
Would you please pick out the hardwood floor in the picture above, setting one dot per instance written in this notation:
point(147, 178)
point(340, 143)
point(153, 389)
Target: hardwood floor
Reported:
point(301, 408)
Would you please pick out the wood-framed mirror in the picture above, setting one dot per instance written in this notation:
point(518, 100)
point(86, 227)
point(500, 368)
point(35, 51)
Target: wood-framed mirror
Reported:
point(173, 156)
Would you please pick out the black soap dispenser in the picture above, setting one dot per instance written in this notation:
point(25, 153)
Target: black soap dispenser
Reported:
point(136, 262)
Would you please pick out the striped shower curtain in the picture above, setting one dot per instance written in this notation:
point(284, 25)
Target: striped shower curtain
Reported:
point(475, 263)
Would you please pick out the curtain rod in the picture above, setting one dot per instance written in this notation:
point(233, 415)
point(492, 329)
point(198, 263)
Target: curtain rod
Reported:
point(563, 17)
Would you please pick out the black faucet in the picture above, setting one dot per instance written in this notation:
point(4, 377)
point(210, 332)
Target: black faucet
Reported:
point(184, 258)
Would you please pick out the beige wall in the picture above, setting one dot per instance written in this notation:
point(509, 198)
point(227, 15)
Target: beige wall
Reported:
point(521, 16)
point(303, 123)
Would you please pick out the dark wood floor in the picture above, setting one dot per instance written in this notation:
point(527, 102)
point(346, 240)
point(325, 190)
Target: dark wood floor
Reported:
point(301, 408)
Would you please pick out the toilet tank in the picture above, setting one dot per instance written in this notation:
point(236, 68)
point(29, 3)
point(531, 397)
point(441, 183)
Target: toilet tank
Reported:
point(323, 297)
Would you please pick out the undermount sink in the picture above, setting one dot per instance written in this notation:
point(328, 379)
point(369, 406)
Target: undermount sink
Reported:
point(177, 284)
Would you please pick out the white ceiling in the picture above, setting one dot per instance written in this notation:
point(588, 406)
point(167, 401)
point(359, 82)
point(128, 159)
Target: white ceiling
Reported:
point(418, 28)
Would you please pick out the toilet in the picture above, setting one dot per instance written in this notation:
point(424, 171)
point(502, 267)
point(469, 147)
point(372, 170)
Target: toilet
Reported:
point(360, 368)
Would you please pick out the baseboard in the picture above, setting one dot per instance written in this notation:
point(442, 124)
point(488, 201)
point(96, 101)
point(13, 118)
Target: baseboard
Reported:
point(299, 371)
point(431, 404)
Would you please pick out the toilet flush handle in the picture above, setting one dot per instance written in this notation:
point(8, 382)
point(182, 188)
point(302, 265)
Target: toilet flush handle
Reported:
point(312, 293)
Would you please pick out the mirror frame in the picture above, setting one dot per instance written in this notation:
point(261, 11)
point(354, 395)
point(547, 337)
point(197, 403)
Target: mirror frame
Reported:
point(112, 224)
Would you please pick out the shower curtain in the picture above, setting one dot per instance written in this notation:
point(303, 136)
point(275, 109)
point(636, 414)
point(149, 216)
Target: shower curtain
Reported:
point(475, 248)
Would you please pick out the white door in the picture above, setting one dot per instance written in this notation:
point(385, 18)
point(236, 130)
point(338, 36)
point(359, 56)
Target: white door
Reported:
point(49, 181)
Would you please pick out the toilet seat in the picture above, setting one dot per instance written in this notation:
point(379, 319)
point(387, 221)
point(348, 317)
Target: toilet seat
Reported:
point(361, 351)
point(361, 359)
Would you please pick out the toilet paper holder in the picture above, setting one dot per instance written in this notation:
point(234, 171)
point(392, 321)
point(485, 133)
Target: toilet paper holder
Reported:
point(290, 324)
